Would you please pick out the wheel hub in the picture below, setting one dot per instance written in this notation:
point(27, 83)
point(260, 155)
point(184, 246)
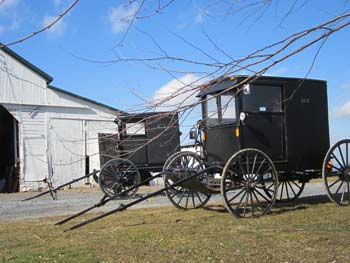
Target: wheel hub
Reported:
point(347, 174)
point(250, 184)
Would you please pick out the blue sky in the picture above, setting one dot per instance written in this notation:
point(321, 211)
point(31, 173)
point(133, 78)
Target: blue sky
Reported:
point(93, 29)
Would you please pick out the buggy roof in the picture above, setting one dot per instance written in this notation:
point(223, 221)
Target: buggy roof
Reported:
point(223, 83)
point(136, 117)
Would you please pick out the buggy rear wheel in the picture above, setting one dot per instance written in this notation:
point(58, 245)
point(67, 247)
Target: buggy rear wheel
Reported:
point(179, 166)
point(249, 183)
point(289, 190)
point(119, 175)
point(336, 172)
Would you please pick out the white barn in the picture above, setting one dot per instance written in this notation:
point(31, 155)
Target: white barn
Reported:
point(45, 133)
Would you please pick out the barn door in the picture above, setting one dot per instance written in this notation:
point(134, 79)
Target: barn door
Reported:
point(263, 125)
point(67, 147)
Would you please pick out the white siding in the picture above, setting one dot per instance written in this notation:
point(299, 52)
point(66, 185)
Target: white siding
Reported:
point(67, 150)
point(19, 84)
point(56, 130)
point(33, 130)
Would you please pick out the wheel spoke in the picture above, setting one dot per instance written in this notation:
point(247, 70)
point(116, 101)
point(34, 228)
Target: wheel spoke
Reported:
point(335, 157)
point(258, 170)
point(342, 195)
point(251, 201)
point(332, 166)
point(347, 155)
point(247, 160)
point(236, 195)
point(240, 166)
point(257, 200)
point(291, 187)
point(182, 196)
point(262, 196)
point(199, 198)
point(245, 203)
point(287, 192)
point(334, 183)
point(176, 192)
point(193, 202)
point(341, 155)
point(336, 192)
point(240, 201)
point(282, 190)
point(266, 189)
point(254, 162)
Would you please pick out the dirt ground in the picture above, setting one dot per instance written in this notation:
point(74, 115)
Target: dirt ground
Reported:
point(72, 201)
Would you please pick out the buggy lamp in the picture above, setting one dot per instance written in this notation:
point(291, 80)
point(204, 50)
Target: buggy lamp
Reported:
point(242, 116)
point(329, 165)
point(203, 136)
point(237, 132)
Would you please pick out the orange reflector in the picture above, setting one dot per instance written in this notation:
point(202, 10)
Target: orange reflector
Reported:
point(232, 78)
point(329, 165)
point(203, 136)
point(237, 132)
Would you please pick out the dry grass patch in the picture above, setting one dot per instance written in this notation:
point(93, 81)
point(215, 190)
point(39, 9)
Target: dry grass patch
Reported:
point(301, 233)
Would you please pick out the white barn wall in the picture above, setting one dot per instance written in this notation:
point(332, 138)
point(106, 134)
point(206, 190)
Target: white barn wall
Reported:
point(56, 129)
point(19, 84)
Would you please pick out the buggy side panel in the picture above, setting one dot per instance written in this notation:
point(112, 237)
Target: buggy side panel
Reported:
point(307, 127)
point(134, 149)
point(108, 144)
point(163, 137)
point(221, 143)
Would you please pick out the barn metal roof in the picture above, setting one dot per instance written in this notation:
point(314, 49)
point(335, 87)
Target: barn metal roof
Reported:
point(86, 99)
point(25, 62)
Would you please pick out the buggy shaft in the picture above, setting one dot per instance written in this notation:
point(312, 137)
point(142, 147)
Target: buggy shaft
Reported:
point(61, 186)
point(124, 207)
point(106, 199)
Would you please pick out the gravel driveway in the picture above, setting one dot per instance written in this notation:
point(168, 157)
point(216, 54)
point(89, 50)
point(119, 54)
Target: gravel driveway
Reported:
point(73, 201)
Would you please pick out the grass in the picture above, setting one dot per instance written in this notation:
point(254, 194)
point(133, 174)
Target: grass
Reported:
point(317, 232)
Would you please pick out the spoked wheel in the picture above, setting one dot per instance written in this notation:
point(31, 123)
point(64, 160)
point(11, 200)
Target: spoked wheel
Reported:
point(289, 190)
point(249, 183)
point(118, 175)
point(336, 173)
point(179, 166)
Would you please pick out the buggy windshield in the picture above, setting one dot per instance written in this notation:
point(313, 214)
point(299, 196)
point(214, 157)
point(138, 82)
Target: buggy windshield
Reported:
point(220, 109)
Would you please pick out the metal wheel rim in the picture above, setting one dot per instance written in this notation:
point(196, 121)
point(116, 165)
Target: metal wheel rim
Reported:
point(118, 175)
point(336, 173)
point(244, 183)
point(179, 196)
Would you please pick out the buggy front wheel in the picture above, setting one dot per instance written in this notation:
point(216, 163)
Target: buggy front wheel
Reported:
point(179, 166)
point(249, 183)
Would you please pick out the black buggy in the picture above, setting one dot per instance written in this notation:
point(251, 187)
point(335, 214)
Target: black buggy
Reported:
point(261, 140)
point(142, 145)
point(266, 138)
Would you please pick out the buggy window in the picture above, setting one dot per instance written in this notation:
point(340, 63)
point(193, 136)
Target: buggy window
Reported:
point(213, 117)
point(220, 110)
point(258, 98)
point(135, 128)
point(228, 108)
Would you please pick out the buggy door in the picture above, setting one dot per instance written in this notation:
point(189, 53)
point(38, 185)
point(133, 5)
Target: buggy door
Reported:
point(263, 124)
point(163, 138)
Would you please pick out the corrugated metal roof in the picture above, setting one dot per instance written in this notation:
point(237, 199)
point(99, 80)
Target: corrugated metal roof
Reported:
point(86, 99)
